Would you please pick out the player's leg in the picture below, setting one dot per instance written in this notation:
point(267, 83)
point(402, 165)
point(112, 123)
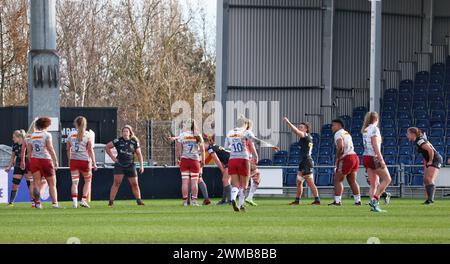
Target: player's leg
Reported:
point(299, 193)
point(134, 183)
point(30, 183)
point(204, 189)
point(226, 182)
point(74, 189)
point(354, 186)
point(235, 190)
point(86, 188)
point(338, 187)
point(115, 188)
point(429, 179)
point(254, 183)
point(244, 185)
point(194, 188)
point(37, 179)
point(312, 186)
point(17, 178)
point(385, 180)
point(51, 181)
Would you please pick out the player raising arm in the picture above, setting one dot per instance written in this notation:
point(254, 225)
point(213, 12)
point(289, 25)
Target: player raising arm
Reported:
point(305, 170)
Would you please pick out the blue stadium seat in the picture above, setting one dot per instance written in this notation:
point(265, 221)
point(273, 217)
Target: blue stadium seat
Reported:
point(388, 142)
point(390, 159)
point(291, 179)
point(357, 141)
point(294, 161)
point(405, 151)
point(436, 88)
point(417, 180)
point(422, 77)
point(437, 141)
point(326, 134)
point(326, 127)
point(294, 146)
point(325, 151)
point(387, 106)
point(420, 105)
point(406, 82)
point(326, 142)
point(420, 114)
point(281, 153)
point(404, 123)
point(439, 114)
point(359, 150)
point(437, 67)
point(448, 139)
point(419, 91)
point(324, 176)
point(388, 132)
point(388, 115)
point(387, 123)
point(438, 124)
point(279, 161)
point(389, 98)
point(314, 136)
point(265, 162)
point(357, 123)
point(435, 97)
point(347, 120)
point(422, 123)
point(436, 79)
point(404, 142)
point(390, 151)
point(356, 133)
point(394, 175)
point(437, 106)
point(437, 132)
point(325, 160)
point(404, 106)
point(294, 152)
point(405, 159)
point(404, 97)
point(404, 115)
point(440, 150)
point(418, 160)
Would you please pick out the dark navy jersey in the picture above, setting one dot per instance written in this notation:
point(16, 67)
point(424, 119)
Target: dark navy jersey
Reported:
point(221, 153)
point(420, 141)
point(305, 145)
point(17, 149)
point(125, 150)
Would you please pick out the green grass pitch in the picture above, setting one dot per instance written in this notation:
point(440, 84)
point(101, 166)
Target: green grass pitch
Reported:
point(273, 221)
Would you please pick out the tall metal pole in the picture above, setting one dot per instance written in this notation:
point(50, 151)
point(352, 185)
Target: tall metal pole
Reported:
point(375, 56)
point(43, 67)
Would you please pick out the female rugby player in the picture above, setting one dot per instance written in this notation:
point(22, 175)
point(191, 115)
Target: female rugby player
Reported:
point(373, 161)
point(126, 146)
point(80, 153)
point(220, 157)
point(190, 155)
point(431, 158)
point(239, 165)
point(43, 161)
point(19, 144)
point(254, 172)
point(347, 163)
point(305, 170)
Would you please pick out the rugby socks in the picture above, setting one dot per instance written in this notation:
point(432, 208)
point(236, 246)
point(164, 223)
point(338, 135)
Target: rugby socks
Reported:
point(357, 198)
point(227, 193)
point(241, 197)
point(12, 197)
point(234, 193)
point(204, 189)
point(317, 199)
point(28, 184)
point(431, 189)
point(297, 199)
point(75, 199)
point(252, 191)
point(337, 199)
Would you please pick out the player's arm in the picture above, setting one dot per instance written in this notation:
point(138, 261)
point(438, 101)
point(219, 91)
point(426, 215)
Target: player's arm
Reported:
point(69, 146)
point(141, 160)
point(294, 129)
point(178, 150)
point(253, 151)
point(91, 154)
point(29, 150)
point(52, 152)
point(430, 151)
point(217, 161)
point(22, 155)
point(11, 162)
point(339, 148)
point(108, 149)
point(260, 141)
point(377, 150)
point(202, 151)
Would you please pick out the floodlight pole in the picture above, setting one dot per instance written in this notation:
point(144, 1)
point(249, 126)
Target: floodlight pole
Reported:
point(375, 56)
point(43, 67)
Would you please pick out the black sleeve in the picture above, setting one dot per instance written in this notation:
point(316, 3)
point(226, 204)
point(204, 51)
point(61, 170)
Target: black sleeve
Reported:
point(115, 142)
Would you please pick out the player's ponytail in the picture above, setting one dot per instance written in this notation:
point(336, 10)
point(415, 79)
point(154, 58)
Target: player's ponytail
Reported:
point(81, 124)
point(31, 128)
point(20, 134)
point(369, 119)
point(242, 121)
